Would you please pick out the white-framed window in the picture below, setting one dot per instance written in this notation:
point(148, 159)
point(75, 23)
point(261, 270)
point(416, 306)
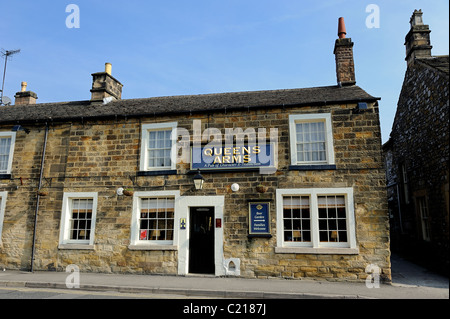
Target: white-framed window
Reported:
point(2, 211)
point(311, 139)
point(7, 141)
point(158, 146)
point(78, 219)
point(154, 217)
point(317, 220)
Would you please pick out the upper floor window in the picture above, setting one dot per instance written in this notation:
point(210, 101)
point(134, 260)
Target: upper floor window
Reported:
point(311, 139)
point(7, 140)
point(158, 147)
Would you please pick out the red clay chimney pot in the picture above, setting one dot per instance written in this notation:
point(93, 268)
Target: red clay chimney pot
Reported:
point(341, 28)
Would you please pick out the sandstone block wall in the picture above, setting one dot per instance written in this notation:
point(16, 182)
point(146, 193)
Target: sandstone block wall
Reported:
point(101, 156)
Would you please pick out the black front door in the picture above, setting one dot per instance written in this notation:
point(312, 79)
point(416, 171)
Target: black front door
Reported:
point(201, 240)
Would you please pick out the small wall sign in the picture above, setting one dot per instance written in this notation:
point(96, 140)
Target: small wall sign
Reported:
point(259, 219)
point(182, 223)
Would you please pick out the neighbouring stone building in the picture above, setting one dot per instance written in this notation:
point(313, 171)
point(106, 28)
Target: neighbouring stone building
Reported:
point(279, 183)
point(417, 154)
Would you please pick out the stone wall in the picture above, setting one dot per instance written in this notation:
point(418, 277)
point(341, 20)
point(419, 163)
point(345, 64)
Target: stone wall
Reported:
point(101, 156)
point(420, 142)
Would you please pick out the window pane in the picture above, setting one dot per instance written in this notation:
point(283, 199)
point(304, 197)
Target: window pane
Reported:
point(311, 142)
point(423, 209)
point(5, 146)
point(159, 148)
point(81, 219)
point(156, 218)
point(332, 219)
point(296, 220)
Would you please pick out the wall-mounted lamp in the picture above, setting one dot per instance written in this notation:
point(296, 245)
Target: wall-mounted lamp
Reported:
point(198, 181)
point(235, 187)
point(17, 128)
point(119, 191)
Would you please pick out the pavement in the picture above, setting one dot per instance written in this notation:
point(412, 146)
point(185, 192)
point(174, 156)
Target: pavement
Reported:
point(409, 281)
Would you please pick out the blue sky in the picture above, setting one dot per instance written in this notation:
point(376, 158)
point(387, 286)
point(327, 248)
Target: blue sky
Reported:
point(174, 47)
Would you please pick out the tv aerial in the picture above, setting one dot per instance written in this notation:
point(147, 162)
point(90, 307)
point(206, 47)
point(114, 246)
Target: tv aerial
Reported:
point(7, 54)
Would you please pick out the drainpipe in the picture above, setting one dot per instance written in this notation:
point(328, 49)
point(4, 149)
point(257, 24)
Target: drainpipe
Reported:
point(38, 196)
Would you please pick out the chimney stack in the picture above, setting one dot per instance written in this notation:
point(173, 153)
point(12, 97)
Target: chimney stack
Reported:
point(25, 97)
point(343, 51)
point(104, 85)
point(417, 41)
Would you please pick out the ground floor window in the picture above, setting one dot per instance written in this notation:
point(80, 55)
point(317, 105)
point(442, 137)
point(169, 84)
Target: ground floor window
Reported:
point(81, 218)
point(296, 219)
point(332, 219)
point(424, 217)
point(153, 220)
point(2, 211)
point(156, 218)
point(315, 220)
point(78, 218)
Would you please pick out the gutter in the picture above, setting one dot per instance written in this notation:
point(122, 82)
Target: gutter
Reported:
point(38, 197)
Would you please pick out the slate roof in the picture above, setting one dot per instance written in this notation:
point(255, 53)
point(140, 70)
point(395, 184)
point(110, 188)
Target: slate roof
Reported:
point(440, 63)
point(183, 104)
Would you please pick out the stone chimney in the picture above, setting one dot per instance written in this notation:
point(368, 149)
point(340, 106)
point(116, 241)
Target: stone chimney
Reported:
point(343, 51)
point(417, 41)
point(104, 85)
point(25, 97)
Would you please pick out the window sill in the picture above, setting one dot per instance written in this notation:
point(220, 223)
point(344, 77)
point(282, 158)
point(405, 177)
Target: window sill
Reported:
point(317, 251)
point(152, 247)
point(155, 173)
point(311, 167)
point(76, 246)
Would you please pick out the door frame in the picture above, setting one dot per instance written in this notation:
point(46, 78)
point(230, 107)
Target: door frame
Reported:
point(183, 205)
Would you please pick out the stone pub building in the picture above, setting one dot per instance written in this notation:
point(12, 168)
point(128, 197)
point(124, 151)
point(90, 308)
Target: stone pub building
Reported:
point(279, 183)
